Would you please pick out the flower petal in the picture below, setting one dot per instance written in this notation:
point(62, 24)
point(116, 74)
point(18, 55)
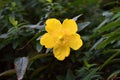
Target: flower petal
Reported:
point(70, 26)
point(75, 42)
point(61, 52)
point(53, 25)
point(47, 40)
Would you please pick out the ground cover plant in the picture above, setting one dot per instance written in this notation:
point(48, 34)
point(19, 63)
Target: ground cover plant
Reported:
point(59, 40)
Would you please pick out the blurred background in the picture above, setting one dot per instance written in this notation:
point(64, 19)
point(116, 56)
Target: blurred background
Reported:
point(22, 23)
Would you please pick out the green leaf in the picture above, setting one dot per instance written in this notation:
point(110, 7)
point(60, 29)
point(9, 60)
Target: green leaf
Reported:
point(38, 56)
point(4, 42)
point(116, 60)
point(13, 21)
point(110, 26)
point(15, 43)
point(115, 73)
point(89, 76)
point(38, 46)
point(12, 31)
point(116, 16)
point(13, 4)
point(50, 1)
point(96, 44)
point(113, 33)
point(109, 40)
point(8, 73)
point(108, 60)
point(87, 64)
point(81, 72)
point(110, 51)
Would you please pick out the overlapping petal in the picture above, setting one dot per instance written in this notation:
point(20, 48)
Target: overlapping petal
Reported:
point(47, 40)
point(60, 52)
point(75, 41)
point(61, 37)
point(53, 25)
point(69, 26)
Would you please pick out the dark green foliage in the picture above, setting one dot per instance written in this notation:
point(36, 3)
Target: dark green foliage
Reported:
point(22, 24)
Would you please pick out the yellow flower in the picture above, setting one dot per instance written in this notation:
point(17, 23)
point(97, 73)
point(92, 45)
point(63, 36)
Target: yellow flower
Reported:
point(61, 37)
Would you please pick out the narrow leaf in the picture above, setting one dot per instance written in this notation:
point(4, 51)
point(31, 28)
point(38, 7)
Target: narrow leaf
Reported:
point(107, 19)
point(96, 44)
point(102, 24)
point(108, 60)
point(110, 26)
point(8, 72)
point(113, 74)
point(83, 25)
point(116, 16)
point(108, 41)
point(89, 76)
point(39, 56)
point(76, 17)
point(87, 64)
point(38, 46)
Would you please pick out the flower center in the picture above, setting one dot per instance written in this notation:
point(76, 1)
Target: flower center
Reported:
point(61, 38)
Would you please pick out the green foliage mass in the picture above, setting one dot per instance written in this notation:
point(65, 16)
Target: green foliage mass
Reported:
point(22, 23)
